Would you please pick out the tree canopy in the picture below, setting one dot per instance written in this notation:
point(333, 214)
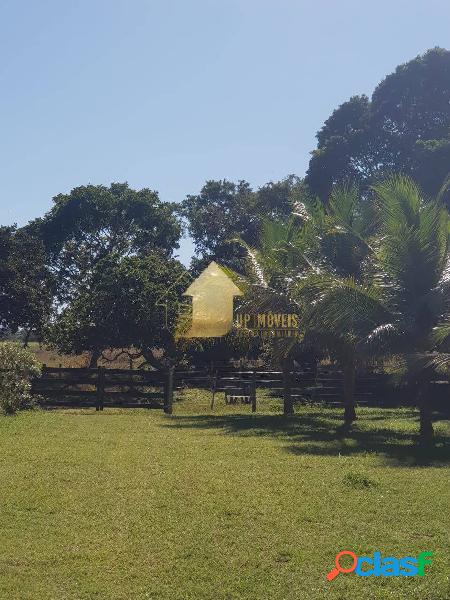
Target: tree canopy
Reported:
point(131, 303)
point(224, 211)
point(94, 222)
point(109, 250)
point(403, 128)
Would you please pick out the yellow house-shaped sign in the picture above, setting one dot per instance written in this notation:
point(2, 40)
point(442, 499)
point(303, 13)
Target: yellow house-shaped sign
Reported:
point(212, 303)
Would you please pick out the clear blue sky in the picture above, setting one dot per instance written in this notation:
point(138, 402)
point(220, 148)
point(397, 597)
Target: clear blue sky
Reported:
point(167, 94)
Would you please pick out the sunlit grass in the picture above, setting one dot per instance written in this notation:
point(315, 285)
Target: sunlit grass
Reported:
point(136, 505)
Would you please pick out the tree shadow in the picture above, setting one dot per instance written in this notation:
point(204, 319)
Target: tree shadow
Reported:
point(321, 433)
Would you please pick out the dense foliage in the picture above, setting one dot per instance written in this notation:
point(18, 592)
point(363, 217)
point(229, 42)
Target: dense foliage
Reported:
point(109, 252)
point(369, 280)
point(224, 211)
point(131, 304)
point(404, 128)
point(95, 222)
point(25, 282)
point(18, 366)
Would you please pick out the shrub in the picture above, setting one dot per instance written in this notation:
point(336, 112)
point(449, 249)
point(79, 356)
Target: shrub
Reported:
point(17, 367)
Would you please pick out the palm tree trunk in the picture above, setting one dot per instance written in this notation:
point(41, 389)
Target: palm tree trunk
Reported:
point(426, 431)
point(349, 391)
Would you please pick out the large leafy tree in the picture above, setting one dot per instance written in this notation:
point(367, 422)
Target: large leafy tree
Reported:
point(97, 239)
point(94, 222)
point(404, 128)
point(25, 283)
point(224, 211)
point(131, 305)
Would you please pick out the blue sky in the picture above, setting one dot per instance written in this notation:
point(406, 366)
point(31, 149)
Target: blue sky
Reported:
point(169, 93)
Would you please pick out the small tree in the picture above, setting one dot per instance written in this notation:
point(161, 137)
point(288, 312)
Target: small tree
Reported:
point(17, 367)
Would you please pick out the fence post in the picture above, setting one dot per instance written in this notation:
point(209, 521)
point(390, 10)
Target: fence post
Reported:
point(213, 388)
point(168, 395)
point(100, 388)
point(288, 407)
point(253, 392)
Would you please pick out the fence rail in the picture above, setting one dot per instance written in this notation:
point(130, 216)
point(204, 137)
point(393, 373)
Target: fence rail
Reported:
point(100, 388)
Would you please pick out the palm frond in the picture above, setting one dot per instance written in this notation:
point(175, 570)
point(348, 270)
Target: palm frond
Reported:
point(414, 240)
point(256, 262)
point(399, 201)
point(341, 305)
point(441, 334)
point(444, 189)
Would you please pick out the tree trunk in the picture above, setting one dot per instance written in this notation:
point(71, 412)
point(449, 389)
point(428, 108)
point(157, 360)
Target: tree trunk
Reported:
point(349, 377)
point(27, 338)
point(95, 355)
point(426, 432)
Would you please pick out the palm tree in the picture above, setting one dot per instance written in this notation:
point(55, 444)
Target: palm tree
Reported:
point(338, 298)
point(413, 264)
point(400, 307)
point(371, 278)
point(308, 262)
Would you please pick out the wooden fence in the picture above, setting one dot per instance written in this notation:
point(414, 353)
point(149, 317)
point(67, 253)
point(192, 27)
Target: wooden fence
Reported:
point(102, 387)
point(155, 389)
point(323, 384)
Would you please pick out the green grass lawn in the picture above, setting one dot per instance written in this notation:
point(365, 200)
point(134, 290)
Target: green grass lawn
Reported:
point(136, 505)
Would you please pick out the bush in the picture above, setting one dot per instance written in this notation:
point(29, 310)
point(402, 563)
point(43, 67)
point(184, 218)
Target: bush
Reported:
point(17, 367)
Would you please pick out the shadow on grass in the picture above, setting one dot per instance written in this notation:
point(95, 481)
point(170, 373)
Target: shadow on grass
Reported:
point(322, 433)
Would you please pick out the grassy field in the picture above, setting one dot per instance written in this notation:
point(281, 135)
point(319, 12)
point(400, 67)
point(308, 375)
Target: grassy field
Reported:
point(136, 505)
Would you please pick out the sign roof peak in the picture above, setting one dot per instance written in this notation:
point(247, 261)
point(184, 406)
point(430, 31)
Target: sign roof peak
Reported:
point(213, 277)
